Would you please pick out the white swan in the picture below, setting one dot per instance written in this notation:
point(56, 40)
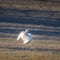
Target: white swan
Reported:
point(25, 36)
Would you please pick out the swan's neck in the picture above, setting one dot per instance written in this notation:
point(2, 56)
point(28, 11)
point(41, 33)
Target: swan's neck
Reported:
point(26, 31)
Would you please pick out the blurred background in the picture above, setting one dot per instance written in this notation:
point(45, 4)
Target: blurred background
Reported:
point(41, 17)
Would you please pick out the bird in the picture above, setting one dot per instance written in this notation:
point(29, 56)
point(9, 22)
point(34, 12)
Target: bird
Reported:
point(25, 36)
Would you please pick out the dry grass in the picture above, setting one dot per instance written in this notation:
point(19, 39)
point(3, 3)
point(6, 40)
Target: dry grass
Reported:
point(27, 55)
point(11, 50)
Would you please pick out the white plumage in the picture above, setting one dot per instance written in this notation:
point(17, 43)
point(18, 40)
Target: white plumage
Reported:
point(25, 36)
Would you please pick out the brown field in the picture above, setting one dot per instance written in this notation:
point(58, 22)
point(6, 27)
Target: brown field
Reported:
point(35, 50)
point(42, 18)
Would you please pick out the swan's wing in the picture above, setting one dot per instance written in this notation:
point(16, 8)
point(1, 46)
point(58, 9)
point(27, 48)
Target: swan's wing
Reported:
point(20, 35)
point(30, 36)
point(27, 38)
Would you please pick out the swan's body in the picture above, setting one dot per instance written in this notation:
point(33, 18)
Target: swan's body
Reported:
point(25, 37)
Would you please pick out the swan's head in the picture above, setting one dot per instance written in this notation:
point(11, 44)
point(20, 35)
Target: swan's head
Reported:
point(26, 31)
